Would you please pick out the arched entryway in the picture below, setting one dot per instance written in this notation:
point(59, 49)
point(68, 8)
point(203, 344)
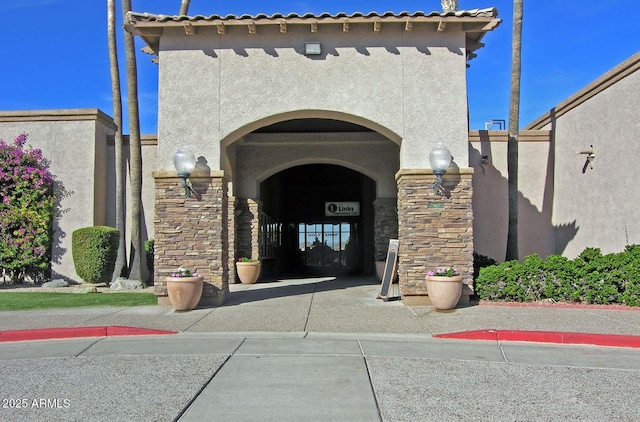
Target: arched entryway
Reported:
point(317, 219)
point(288, 176)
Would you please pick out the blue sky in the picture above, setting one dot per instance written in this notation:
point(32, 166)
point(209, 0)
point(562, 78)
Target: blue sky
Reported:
point(55, 51)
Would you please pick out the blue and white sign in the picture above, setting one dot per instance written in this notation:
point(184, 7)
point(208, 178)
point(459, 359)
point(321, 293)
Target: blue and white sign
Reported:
point(341, 209)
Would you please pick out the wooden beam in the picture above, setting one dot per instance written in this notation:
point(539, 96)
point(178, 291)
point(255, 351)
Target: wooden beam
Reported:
point(189, 29)
point(252, 28)
point(314, 26)
point(441, 26)
point(221, 29)
point(377, 25)
point(345, 26)
point(408, 26)
point(283, 27)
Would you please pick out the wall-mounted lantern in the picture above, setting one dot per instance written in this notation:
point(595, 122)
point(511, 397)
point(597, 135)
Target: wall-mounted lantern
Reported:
point(184, 161)
point(440, 158)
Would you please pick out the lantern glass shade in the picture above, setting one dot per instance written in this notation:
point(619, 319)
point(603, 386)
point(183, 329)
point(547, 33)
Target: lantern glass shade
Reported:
point(184, 161)
point(440, 157)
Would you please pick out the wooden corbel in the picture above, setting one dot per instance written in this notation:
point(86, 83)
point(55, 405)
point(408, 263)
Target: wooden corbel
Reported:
point(189, 29)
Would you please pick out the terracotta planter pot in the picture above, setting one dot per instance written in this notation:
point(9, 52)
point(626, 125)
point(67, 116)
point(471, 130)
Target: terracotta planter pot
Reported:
point(444, 292)
point(184, 292)
point(248, 272)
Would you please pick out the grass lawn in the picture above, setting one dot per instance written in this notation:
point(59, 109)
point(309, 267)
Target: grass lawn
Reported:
point(21, 301)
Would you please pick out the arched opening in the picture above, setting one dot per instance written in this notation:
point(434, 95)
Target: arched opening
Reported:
point(314, 196)
point(317, 219)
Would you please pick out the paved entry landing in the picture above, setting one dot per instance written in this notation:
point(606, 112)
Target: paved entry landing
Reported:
point(324, 304)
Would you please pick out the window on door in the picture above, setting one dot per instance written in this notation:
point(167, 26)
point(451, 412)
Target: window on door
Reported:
point(324, 244)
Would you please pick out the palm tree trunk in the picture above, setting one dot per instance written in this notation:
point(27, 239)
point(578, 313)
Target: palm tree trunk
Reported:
point(137, 267)
point(184, 7)
point(449, 5)
point(121, 260)
point(514, 131)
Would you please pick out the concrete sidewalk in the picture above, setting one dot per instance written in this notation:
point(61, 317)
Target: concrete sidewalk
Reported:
point(313, 377)
point(330, 305)
point(319, 350)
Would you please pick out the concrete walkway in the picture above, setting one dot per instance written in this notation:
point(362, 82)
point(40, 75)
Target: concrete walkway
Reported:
point(319, 350)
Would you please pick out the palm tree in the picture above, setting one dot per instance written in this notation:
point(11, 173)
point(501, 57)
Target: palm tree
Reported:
point(184, 7)
point(121, 260)
point(514, 130)
point(137, 259)
point(449, 5)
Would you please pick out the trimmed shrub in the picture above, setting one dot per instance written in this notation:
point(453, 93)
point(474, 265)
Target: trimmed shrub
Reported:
point(94, 252)
point(590, 278)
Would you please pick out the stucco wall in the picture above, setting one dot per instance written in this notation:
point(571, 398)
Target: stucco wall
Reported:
point(602, 201)
point(408, 85)
point(74, 141)
point(566, 206)
point(536, 231)
point(259, 156)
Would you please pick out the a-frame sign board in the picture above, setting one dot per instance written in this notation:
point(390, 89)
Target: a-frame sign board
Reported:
point(389, 269)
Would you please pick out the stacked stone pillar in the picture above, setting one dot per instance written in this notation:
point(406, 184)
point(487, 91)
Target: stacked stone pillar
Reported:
point(192, 233)
point(434, 231)
point(385, 225)
point(231, 236)
point(248, 236)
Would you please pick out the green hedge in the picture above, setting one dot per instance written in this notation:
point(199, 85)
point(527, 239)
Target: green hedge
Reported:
point(94, 252)
point(590, 278)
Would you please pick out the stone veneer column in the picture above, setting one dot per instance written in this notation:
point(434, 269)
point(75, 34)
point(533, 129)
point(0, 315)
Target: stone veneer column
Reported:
point(434, 231)
point(192, 233)
point(385, 225)
point(247, 228)
point(231, 212)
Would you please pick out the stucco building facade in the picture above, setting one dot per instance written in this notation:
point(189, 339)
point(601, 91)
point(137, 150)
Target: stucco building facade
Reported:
point(281, 131)
point(350, 104)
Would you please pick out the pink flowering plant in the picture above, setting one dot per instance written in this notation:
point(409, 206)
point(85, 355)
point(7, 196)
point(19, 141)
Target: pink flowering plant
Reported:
point(444, 272)
point(181, 272)
point(245, 259)
point(27, 211)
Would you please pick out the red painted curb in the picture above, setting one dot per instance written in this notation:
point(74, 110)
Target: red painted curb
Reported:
point(613, 340)
point(75, 332)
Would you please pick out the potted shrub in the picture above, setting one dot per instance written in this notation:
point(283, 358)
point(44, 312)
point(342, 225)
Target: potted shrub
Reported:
point(248, 270)
point(444, 287)
point(185, 289)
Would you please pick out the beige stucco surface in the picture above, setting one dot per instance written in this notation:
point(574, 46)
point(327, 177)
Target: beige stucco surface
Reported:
point(565, 205)
point(259, 156)
point(536, 232)
point(602, 201)
point(407, 85)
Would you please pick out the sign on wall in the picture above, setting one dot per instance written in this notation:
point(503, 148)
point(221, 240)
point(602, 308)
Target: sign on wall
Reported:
point(341, 209)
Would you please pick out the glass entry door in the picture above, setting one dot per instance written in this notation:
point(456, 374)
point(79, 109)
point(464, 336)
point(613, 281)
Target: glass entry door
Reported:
point(328, 244)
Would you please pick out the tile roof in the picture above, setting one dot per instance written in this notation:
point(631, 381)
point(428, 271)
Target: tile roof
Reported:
point(475, 23)
point(150, 17)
